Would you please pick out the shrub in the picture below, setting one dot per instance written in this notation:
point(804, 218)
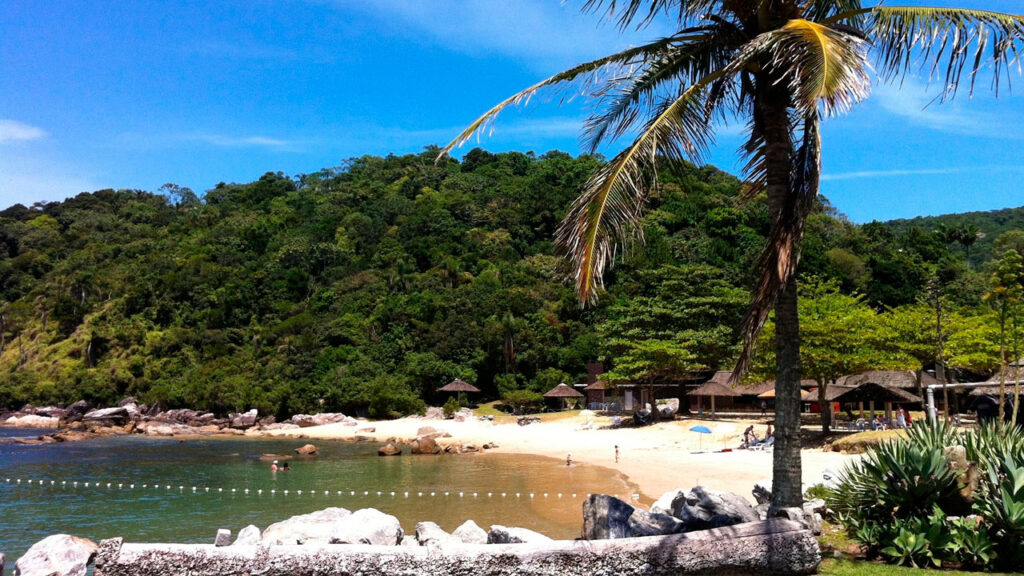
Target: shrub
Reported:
point(523, 401)
point(451, 407)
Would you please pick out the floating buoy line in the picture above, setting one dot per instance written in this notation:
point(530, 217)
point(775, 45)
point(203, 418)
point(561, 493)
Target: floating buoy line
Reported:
point(203, 490)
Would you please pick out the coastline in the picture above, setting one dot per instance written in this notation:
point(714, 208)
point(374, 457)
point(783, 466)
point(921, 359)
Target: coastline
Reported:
point(655, 459)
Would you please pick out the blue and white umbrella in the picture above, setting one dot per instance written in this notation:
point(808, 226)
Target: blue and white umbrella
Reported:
point(700, 430)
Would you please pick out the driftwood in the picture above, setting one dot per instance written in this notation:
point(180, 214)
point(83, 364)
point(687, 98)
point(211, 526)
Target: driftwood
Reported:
point(768, 547)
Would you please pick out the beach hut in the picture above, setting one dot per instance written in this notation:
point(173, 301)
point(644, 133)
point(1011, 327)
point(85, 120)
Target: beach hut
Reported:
point(564, 392)
point(459, 387)
point(714, 389)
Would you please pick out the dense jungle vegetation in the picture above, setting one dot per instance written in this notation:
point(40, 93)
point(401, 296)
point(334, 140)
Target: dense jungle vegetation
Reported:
point(367, 287)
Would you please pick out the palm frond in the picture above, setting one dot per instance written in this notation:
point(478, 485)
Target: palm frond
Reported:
point(625, 99)
point(607, 212)
point(947, 42)
point(781, 256)
point(819, 10)
point(643, 12)
point(822, 65)
point(588, 73)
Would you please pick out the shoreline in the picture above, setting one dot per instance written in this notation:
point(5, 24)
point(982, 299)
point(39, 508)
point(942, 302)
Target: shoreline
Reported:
point(654, 459)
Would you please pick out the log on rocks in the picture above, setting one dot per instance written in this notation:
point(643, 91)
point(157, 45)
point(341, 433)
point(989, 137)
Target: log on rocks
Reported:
point(771, 547)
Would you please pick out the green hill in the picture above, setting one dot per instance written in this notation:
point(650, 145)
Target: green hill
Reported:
point(990, 224)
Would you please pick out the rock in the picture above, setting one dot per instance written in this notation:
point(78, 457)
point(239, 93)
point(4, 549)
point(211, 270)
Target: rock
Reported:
point(425, 445)
point(59, 554)
point(409, 541)
point(369, 430)
point(281, 426)
point(606, 517)
point(430, 534)
point(267, 421)
point(642, 523)
point(75, 412)
point(307, 450)
point(246, 420)
point(117, 415)
point(470, 533)
point(490, 446)
point(811, 519)
point(313, 528)
point(509, 535)
point(52, 412)
point(816, 505)
point(763, 491)
point(369, 526)
point(434, 413)
point(223, 537)
point(762, 510)
point(461, 416)
point(248, 536)
point(32, 421)
point(700, 508)
point(389, 449)
point(427, 431)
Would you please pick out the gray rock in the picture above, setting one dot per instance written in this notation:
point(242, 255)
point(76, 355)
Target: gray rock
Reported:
point(434, 413)
point(306, 450)
point(470, 533)
point(223, 537)
point(369, 526)
point(248, 536)
point(701, 509)
point(409, 541)
point(670, 503)
point(389, 449)
point(762, 510)
point(425, 445)
point(811, 520)
point(313, 528)
point(816, 505)
point(117, 415)
point(32, 421)
point(606, 517)
point(430, 534)
point(642, 523)
point(59, 554)
point(511, 535)
point(246, 420)
point(427, 431)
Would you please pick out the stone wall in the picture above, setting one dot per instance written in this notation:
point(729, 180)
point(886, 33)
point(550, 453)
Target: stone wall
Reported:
point(768, 547)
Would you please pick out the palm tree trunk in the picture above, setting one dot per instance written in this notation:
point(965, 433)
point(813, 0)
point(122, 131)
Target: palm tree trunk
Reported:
point(773, 104)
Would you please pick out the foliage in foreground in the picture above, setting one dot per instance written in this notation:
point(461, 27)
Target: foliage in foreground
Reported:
point(939, 495)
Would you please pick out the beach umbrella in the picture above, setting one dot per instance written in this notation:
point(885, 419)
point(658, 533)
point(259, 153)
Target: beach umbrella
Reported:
point(724, 430)
point(700, 430)
point(458, 386)
point(563, 391)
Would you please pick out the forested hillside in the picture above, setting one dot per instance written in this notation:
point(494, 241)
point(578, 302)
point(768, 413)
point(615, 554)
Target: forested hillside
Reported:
point(974, 232)
point(367, 287)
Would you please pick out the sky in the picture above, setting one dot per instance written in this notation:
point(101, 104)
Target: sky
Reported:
point(136, 94)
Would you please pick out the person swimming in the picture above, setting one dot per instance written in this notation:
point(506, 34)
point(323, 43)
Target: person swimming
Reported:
point(273, 467)
point(285, 467)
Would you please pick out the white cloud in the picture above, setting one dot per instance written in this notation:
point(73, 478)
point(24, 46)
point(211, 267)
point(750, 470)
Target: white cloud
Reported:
point(12, 130)
point(895, 173)
point(541, 34)
point(919, 104)
point(240, 141)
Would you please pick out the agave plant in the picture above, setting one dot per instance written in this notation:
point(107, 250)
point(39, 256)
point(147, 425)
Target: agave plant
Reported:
point(780, 67)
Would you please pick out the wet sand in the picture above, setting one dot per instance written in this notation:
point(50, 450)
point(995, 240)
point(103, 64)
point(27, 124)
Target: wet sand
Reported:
point(656, 458)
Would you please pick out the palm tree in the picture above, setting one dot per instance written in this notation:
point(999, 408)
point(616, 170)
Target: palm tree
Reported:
point(780, 66)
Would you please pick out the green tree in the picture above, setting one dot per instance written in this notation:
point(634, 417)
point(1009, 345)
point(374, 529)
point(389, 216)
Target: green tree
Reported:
point(1007, 290)
point(644, 362)
point(780, 66)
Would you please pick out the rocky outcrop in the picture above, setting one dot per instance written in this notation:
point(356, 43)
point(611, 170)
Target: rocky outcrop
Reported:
point(59, 554)
point(430, 534)
point(245, 420)
point(470, 533)
point(32, 421)
point(773, 547)
point(701, 509)
point(510, 535)
point(248, 536)
point(314, 528)
point(606, 517)
point(309, 420)
point(368, 526)
point(116, 416)
point(306, 450)
point(389, 449)
point(425, 445)
point(223, 537)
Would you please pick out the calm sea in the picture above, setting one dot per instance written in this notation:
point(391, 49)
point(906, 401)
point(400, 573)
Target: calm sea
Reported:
point(440, 488)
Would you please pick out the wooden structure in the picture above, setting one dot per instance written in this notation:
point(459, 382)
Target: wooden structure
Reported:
point(565, 393)
point(459, 387)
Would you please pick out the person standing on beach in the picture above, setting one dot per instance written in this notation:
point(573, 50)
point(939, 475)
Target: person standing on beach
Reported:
point(616, 453)
point(568, 459)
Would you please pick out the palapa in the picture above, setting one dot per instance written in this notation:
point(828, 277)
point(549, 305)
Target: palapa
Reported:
point(563, 390)
point(458, 385)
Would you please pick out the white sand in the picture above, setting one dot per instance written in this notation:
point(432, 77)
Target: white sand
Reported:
point(657, 458)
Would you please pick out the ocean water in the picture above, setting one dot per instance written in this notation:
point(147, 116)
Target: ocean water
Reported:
point(163, 507)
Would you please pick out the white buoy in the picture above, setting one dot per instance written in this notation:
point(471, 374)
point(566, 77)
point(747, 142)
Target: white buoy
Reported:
point(132, 486)
point(285, 492)
point(366, 493)
point(431, 494)
point(220, 489)
point(531, 494)
point(108, 484)
point(327, 492)
point(207, 488)
point(352, 493)
point(460, 494)
point(272, 492)
point(502, 494)
point(545, 494)
point(517, 494)
point(420, 494)
point(339, 492)
point(246, 490)
point(259, 492)
point(119, 486)
point(299, 492)
point(392, 493)
point(406, 494)
point(378, 492)
point(559, 494)
point(232, 490)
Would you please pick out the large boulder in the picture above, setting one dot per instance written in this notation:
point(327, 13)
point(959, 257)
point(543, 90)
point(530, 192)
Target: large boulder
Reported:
point(32, 421)
point(306, 450)
point(643, 523)
point(116, 416)
point(430, 534)
point(470, 533)
point(246, 420)
point(389, 449)
point(606, 517)
point(313, 528)
point(248, 536)
point(434, 413)
point(59, 554)
point(223, 537)
point(76, 411)
point(425, 445)
point(701, 509)
point(510, 535)
point(51, 411)
point(369, 526)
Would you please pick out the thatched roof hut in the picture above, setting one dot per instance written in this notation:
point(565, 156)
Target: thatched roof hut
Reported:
point(563, 390)
point(458, 385)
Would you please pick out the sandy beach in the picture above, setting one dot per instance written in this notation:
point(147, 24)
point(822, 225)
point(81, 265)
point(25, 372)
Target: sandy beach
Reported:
point(657, 458)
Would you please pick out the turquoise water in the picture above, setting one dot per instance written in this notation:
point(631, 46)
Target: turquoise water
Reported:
point(47, 501)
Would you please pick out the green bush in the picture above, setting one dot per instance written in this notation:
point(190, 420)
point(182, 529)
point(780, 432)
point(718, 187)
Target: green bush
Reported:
point(523, 401)
point(898, 498)
point(451, 407)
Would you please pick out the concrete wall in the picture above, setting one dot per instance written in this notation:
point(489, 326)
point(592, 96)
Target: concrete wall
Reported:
point(771, 547)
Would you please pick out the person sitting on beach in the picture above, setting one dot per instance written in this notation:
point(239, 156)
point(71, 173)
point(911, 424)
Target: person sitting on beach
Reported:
point(769, 433)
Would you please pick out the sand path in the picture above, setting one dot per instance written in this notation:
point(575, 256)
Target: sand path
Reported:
point(656, 458)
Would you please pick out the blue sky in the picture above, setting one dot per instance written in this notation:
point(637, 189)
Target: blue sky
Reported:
point(139, 93)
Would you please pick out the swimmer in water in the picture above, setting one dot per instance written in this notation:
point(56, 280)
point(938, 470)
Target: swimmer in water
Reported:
point(273, 467)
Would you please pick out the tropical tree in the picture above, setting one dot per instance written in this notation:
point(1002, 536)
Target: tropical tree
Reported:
point(1005, 296)
point(780, 66)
